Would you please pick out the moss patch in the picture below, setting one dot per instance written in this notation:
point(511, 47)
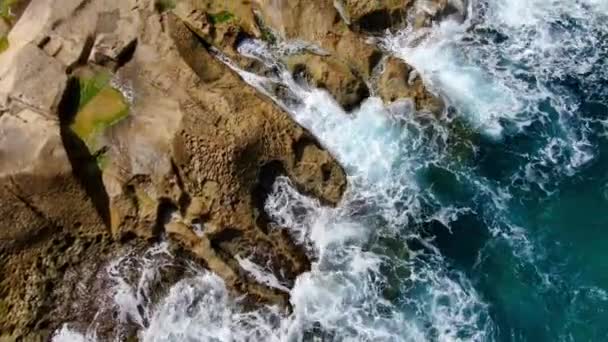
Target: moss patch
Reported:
point(3, 44)
point(221, 17)
point(102, 160)
point(7, 7)
point(100, 107)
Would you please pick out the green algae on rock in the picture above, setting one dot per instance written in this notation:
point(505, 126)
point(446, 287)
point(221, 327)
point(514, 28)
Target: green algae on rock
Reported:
point(221, 17)
point(3, 44)
point(100, 107)
point(5, 8)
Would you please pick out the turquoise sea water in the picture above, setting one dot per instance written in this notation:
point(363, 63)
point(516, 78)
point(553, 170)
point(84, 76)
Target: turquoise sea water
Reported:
point(538, 257)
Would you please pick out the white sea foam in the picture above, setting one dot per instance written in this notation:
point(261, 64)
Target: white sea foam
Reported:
point(260, 274)
point(343, 294)
point(66, 335)
point(500, 65)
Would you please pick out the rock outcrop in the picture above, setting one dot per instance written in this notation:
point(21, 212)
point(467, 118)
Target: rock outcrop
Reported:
point(399, 81)
point(121, 127)
point(348, 67)
point(374, 16)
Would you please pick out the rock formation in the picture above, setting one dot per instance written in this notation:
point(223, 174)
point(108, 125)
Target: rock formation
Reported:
point(119, 128)
point(340, 29)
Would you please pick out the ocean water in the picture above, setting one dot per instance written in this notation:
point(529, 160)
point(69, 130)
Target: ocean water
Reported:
point(487, 224)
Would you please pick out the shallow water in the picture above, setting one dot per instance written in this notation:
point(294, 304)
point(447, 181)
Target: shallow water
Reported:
point(489, 224)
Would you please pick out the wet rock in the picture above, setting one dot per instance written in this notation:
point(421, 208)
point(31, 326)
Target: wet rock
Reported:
point(171, 143)
point(219, 23)
point(247, 140)
point(399, 81)
point(328, 25)
point(347, 88)
point(320, 23)
point(375, 16)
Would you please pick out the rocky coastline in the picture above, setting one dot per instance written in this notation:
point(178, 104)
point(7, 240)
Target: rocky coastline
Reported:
point(120, 128)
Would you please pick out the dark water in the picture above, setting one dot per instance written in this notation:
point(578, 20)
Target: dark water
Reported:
point(539, 257)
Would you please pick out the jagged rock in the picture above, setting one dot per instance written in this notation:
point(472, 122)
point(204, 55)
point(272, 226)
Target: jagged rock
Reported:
point(36, 170)
point(375, 16)
point(47, 220)
point(399, 81)
point(31, 78)
point(210, 147)
point(38, 19)
point(348, 89)
point(319, 22)
point(195, 157)
point(219, 23)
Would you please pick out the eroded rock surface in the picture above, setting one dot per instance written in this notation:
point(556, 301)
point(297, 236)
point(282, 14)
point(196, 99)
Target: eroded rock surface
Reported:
point(348, 67)
point(399, 81)
point(120, 128)
point(375, 16)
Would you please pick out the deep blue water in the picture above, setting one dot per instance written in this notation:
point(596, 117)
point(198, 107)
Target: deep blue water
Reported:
point(539, 258)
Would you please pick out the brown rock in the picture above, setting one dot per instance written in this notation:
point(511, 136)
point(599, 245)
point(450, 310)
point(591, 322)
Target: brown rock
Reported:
point(399, 81)
point(375, 16)
point(4, 28)
point(36, 167)
point(195, 157)
point(319, 22)
point(31, 78)
point(249, 142)
point(46, 220)
point(328, 73)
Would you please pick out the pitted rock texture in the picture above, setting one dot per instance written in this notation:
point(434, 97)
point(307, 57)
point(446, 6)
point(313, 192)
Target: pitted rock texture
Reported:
point(192, 157)
point(191, 162)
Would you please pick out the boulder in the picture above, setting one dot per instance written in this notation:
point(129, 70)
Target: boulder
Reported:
point(375, 16)
point(31, 78)
point(328, 73)
point(399, 81)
